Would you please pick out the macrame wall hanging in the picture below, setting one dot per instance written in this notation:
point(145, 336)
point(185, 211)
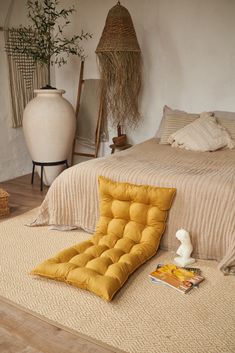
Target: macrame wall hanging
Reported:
point(24, 74)
point(120, 64)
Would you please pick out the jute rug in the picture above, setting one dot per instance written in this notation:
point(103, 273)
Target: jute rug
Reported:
point(143, 317)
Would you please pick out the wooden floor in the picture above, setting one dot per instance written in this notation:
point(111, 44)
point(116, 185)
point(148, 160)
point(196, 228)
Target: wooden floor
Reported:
point(23, 195)
point(21, 332)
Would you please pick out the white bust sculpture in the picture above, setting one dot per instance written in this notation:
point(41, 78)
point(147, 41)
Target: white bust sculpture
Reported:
point(185, 249)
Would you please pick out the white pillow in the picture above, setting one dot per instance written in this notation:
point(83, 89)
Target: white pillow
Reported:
point(227, 120)
point(204, 134)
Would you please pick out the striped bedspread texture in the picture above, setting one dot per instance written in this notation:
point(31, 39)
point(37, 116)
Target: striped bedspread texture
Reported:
point(204, 204)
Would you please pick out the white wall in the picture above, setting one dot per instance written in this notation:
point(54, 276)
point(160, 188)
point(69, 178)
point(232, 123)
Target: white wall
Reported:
point(14, 157)
point(188, 52)
point(188, 49)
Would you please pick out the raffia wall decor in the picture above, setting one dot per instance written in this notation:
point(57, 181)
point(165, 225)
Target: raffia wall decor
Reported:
point(120, 62)
point(24, 74)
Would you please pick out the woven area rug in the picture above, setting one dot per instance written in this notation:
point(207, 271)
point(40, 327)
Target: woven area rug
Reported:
point(143, 317)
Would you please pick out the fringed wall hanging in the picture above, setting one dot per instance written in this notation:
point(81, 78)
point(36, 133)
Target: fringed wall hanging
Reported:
point(120, 64)
point(25, 75)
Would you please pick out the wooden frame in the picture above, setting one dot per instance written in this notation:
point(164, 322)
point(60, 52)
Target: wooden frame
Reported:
point(99, 120)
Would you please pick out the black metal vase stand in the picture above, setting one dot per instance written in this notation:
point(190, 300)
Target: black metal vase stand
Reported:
point(46, 164)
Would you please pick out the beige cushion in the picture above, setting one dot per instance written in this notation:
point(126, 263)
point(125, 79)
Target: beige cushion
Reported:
point(166, 111)
point(175, 122)
point(203, 134)
point(227, 120)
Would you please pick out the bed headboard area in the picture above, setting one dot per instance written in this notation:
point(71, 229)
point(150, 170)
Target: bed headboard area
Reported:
point(174, 120)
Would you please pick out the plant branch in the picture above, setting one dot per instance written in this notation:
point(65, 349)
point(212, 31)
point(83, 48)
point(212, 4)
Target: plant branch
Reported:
point(43, 39)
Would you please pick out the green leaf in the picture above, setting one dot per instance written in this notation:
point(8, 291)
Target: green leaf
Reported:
point(43, 39)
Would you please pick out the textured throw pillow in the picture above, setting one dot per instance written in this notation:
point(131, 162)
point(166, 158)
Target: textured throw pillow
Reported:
point(204, 134)
point(227, 120)
point(132, 221)
point(166, 111)
point(173, 123)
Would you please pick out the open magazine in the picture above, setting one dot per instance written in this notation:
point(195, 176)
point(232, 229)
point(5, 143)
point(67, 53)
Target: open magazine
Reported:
point(179, 278)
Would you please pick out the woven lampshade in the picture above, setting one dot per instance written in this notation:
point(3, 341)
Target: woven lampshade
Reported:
point(119, 32)
point(120, 64)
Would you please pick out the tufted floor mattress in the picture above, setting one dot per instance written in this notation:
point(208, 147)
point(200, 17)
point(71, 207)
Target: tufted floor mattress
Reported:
point(204, 205)
point(128, 233)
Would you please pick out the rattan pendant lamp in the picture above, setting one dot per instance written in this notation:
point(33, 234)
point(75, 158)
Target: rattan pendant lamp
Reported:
point(119, 57)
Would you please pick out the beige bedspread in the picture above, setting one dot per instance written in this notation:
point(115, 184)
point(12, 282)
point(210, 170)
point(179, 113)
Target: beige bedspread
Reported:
point(204, 203)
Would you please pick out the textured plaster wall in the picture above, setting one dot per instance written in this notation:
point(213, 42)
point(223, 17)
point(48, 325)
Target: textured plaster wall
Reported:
point(188, 51)
point(14, 157)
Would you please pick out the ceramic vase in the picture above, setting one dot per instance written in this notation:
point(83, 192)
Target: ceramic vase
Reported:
point(49, 127)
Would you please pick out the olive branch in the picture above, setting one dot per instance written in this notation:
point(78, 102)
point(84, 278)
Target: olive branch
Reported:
point(43, 40)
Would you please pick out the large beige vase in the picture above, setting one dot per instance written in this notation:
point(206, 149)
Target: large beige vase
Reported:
point(49, 127)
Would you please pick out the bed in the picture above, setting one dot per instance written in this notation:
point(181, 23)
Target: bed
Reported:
point(204, 204)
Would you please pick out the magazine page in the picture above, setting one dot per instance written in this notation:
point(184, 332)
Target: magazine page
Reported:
point(176, 277)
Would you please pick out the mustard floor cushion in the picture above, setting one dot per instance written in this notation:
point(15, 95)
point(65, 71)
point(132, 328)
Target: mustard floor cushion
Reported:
point(132, 221)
